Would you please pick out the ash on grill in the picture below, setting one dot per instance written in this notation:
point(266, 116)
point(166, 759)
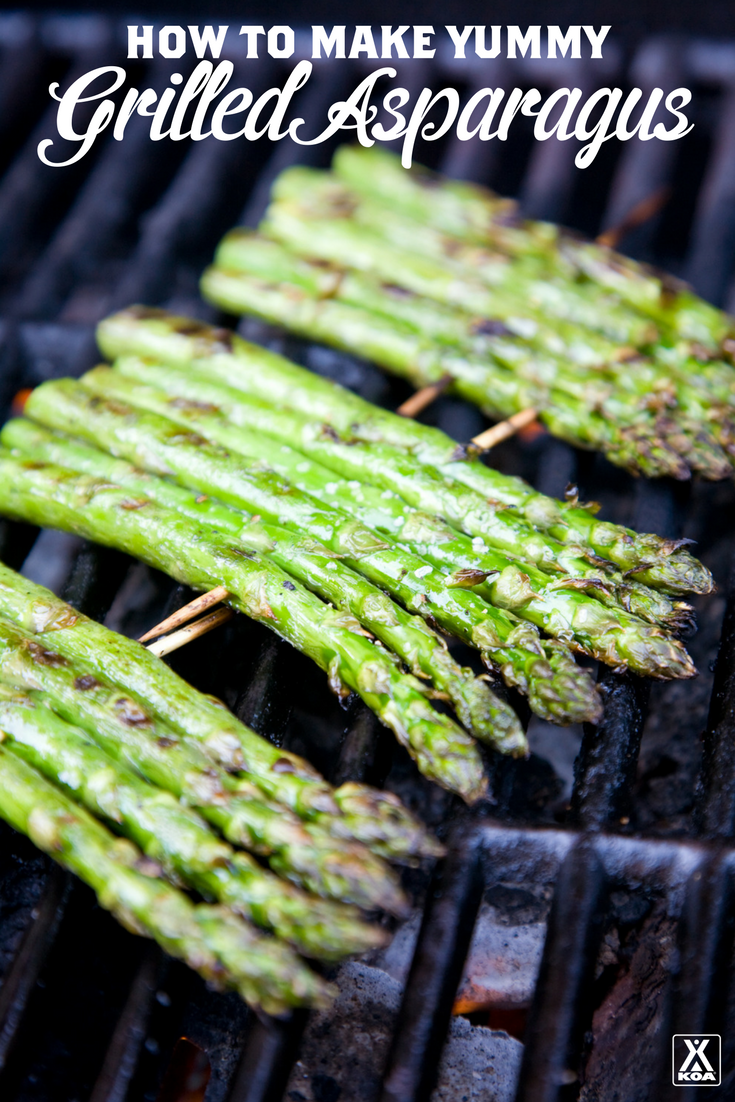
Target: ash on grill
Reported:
point(600, 869)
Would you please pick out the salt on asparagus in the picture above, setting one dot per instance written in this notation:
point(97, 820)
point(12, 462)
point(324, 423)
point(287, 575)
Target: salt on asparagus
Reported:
point(424, 652)
point(256, 371)
point(157, 444)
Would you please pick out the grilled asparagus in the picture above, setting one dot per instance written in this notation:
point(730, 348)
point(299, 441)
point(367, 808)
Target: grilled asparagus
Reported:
point(174, 836)
point(566, 691)
point(202, 558)
point(211, 940)
point(263, 374)
point(423, 651)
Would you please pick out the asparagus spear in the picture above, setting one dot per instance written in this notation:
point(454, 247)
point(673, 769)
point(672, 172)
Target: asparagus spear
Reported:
point(210, 401)
point(314, 214)
point(498, 390)
point(623, 393)
point(155, 443)
point(198, 556)
point(174, 836)
point(471, 213)
point(620, 393)
point(244, 250)
point(423, 651)
point(260, 373)
point(224, 950)
point(210, 405)
point(434, 489)
point(304, 853)
point(615, 637)
point(311, 205)
point(367, 814)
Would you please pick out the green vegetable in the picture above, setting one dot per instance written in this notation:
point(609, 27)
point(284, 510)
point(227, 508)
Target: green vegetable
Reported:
point(423, 651)
point(559, 606)
point(473, 214)
point(497, 389)
point(223, 949)
point(154, 442)
point(302, 852)
point(202, 558)
point(255, 371)
point(355, 811)
point(174, 836)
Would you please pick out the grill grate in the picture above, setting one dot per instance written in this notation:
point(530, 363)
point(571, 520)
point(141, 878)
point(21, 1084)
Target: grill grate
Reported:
point(86, 1012)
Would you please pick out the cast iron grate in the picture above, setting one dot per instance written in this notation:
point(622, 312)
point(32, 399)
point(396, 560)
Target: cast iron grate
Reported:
point(88, 1012)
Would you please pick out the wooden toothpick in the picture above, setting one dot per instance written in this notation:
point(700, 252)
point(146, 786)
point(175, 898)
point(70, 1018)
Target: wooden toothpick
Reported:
point(192, 631)
point(423, 398)
point(644, 210)
point(188, 612)
point(502, 431)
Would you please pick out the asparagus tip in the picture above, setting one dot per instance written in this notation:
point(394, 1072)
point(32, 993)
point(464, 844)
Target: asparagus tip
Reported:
point(380, 820)
point(569, 695)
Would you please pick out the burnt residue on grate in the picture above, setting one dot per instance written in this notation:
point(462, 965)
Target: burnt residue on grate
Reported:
point(583, 912)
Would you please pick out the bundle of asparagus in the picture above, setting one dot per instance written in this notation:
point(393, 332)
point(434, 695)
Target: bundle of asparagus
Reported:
point(227, 465)
point(225, 950)
point(98, 735)
point(434, 279)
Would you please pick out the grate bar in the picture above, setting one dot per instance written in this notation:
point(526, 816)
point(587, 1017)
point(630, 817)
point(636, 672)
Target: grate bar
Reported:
point(267, 1059)
point(122, 1054)
point(106, 201)
point(715, 813)
point(605, 769)
point(562, 1003)
point(21, 980)
point(713, 232)
point(449, 918)
point(189, 213)
point(29, 186)
point(700, 990)
point(645, 167)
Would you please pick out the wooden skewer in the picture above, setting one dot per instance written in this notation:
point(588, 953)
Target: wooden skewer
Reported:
point(188, 612)
point(19, 401)
point(490, 437)
point(192, 631)
point(424, 397)
point(635, 217)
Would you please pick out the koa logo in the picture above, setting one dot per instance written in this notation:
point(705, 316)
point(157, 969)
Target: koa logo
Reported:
point(696, 1059)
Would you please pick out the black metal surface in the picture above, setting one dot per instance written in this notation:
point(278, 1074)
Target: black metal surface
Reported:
point(716, 810)
point(453, 898)
point(137, 220)
point(563, 1005)
point(606, 766)
point(22, 977)
point(121, 1058)
point(699, 995)
point(267, 1059)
